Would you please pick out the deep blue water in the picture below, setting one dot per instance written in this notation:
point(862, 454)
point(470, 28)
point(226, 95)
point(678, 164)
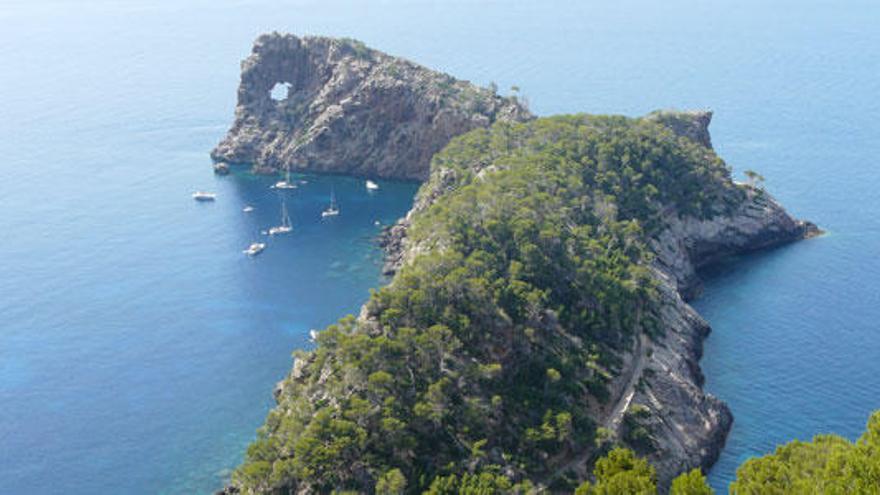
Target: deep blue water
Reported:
point(138, 347)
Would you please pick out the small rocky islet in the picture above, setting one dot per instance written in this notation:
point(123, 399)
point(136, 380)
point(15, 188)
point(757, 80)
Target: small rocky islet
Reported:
point(537, 316)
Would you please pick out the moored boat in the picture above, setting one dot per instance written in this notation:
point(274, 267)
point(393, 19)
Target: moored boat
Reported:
point(255, 249)
point(285, 227)
point(204, 196)
point(333, 209)
point(286, 183)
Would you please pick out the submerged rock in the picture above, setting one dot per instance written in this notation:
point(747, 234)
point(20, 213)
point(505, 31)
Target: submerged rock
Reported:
point(334, 105)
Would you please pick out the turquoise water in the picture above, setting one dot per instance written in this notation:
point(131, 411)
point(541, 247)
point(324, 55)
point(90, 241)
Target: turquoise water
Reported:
point(139, 348)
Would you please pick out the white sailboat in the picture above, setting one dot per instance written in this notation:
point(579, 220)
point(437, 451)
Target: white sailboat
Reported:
point(285, 226)
point(372, 186)
point(333, 209)
point(286, 183)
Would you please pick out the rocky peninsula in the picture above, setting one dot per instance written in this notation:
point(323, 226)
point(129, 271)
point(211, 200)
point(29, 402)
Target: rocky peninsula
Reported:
point(538, 310)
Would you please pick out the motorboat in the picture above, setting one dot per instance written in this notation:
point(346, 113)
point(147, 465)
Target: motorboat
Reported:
point(372, 186)
point(255, 249)
point(204, 196)
point(247, 209)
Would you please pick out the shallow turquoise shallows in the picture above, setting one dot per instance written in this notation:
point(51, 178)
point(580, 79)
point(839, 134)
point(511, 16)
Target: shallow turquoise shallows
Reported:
point(139, 346)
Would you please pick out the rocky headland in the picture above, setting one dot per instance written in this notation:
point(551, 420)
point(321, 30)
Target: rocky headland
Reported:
point(349, 109)
point(353, 110)
point(662, 374)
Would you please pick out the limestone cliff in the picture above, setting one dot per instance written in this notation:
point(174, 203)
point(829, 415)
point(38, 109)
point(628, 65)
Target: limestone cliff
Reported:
point(691, 425)
point(350, 109)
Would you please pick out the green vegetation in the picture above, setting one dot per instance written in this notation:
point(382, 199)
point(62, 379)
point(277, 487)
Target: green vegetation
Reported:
point(755, 179)
point(829, 464)
point(358, 47)
point(482, 365)
point(621, 472)
point(690, 483)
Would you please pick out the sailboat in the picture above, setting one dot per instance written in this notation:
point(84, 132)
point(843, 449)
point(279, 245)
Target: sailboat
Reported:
point(333, 210)
point(285, 227)
point(286, 183)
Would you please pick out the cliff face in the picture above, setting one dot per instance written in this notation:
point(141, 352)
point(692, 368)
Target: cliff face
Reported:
point(350, 109)
point(691, 425)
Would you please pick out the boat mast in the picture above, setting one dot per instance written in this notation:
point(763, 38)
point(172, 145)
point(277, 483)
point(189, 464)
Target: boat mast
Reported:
point(285, 218)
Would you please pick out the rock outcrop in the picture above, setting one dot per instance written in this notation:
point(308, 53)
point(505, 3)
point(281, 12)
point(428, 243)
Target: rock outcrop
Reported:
point(349, 109)
point(693, 124)
point(690, 425)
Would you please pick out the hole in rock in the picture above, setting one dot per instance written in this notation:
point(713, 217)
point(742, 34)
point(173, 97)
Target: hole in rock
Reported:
point(280, 91)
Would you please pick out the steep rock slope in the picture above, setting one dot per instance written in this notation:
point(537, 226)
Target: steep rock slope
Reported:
point(350, 109)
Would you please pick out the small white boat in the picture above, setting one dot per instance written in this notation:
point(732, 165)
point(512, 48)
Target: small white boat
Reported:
point(372, 186)
point(255, 249)
point(333, 209)
point(313, 335)
point(286, 183)
point(247, 209)
point(285, 227)
point(204, 196)
point(283, 184)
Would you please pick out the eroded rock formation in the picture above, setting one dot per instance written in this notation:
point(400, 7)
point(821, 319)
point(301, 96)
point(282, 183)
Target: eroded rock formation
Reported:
point(350, 109)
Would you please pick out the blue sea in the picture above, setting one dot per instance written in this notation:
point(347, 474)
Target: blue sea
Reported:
point(139, 346)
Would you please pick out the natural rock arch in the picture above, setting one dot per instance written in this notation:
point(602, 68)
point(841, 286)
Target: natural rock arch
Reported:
point(281, 91)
